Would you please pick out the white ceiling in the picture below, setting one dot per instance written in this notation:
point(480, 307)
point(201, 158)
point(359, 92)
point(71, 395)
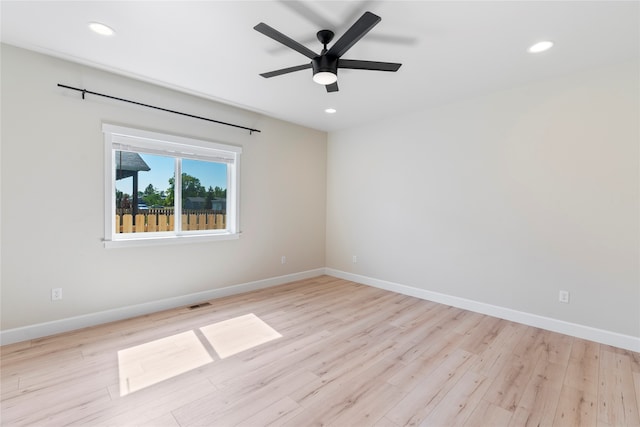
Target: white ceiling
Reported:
point(450, 50)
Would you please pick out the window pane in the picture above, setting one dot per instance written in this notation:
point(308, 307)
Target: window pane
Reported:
point(144, 192)
point(204, 195)
point(141, 206)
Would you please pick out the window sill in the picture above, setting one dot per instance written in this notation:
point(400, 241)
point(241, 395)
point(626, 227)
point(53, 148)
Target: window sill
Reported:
point(168, 240)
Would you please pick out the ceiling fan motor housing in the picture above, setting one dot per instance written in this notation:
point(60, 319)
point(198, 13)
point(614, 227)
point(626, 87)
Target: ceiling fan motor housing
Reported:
point(325, 63)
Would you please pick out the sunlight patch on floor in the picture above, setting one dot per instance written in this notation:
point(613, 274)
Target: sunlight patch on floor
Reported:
point(150, 363)
point(241, 333)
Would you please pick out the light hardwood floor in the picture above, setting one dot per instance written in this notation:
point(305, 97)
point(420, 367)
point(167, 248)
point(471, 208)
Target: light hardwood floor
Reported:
point(349, 355)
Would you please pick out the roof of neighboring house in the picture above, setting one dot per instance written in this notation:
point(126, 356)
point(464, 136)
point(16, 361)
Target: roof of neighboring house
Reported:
point(130, 161)
point(127, 164)
point(196, 199)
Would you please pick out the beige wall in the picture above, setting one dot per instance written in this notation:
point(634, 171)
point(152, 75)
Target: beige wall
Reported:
point(503, 199)
point(53, 203)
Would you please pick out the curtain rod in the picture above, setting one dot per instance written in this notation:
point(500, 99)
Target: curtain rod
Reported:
point(85, 91)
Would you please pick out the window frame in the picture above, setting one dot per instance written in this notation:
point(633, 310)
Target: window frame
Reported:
point(178, 147)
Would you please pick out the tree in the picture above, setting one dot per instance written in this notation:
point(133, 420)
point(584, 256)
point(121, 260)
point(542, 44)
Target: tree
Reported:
point(170, 192)
point(151, 196)
point(191, 187)
point(220, 193)
point(123, 200)
point(210, 196)
point(119, 196)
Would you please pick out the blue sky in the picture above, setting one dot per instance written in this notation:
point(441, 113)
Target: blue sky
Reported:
point(209, 174)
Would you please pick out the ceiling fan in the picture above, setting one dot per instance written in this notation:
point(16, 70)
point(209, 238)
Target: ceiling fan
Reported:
point(325, 65)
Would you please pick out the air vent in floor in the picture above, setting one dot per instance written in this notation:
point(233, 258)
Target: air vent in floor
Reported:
point(204, 304)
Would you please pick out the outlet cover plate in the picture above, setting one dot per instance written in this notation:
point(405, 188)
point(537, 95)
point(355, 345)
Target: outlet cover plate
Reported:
point(563, 297)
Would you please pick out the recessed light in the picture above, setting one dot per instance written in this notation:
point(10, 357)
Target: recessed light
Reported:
point(102, 29)
point(540, 46)
point(330, 110)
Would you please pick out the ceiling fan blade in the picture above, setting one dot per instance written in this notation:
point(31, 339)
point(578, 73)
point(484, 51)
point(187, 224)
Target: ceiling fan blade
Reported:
point(333, 87)
point(309, 13)
point(368, 65)
point(286, 70)
point(361, 27)
point(285, 40)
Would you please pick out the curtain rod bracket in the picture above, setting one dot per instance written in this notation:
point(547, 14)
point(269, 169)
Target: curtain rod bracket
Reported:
point(85, 91)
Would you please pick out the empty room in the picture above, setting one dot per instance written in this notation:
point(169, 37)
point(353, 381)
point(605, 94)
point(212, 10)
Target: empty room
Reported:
point(304, 213)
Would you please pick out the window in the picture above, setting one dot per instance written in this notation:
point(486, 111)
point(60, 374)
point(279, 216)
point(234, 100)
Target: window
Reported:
point(168, 189)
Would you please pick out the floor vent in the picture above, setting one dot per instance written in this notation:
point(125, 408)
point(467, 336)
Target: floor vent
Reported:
point(204, 304)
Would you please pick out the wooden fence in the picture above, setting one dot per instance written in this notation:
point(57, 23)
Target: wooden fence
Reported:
point(151, 222)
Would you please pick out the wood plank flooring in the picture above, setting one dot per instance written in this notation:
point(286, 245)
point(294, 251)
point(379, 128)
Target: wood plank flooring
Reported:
point(349, 355)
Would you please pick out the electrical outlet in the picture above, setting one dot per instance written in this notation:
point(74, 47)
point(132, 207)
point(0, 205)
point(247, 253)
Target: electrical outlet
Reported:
point(283, 259)
point(563, 297)
point(56, 294)
point(354, 259)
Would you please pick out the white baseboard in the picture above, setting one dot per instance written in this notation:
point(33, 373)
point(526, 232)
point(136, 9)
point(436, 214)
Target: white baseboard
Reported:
point(39, 330)
point(580, 331)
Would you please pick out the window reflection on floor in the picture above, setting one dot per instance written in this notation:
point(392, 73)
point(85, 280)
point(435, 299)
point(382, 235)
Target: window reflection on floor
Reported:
point(156, 361)
point(150, 363)
point(238, 334)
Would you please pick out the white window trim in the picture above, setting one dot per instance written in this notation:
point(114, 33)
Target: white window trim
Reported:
point(119, 137)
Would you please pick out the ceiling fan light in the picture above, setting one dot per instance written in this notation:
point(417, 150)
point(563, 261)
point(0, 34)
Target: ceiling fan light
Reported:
point(325, 78)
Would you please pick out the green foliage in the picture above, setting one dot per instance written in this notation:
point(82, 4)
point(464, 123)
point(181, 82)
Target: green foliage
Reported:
point(191, 187)
point(215, 193)
point(152, 197)
point(170, 192)
point(120, 196)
